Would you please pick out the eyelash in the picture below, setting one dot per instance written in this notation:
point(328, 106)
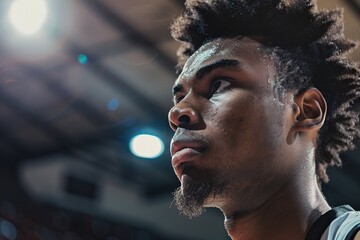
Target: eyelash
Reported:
point(212, 90)
point(215, 82)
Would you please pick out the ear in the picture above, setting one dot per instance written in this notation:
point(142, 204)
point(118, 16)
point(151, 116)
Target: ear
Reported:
point(310, 110)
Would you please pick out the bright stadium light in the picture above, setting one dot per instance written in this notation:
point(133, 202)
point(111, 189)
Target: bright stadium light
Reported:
point(146, 146)
point(27, 16)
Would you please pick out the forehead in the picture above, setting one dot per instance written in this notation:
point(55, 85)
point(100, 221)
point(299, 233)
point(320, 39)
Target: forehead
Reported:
point(246, 50)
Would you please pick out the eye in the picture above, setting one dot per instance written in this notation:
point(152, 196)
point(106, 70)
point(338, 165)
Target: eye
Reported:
point(218, 86)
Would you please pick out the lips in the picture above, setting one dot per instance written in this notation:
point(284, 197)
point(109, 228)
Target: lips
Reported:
point(184, 150)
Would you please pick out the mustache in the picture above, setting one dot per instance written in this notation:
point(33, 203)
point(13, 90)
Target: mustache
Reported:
point(187, 135)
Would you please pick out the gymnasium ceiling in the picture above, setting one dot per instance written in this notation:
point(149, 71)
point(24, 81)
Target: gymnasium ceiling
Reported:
point(98, 73)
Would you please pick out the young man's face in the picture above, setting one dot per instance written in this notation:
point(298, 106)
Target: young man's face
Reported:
point(229, 145)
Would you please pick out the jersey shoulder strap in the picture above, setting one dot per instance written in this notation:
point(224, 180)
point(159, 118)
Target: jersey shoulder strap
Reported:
point(318, 228)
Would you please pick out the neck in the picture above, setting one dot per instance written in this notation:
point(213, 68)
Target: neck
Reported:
point(286, 215)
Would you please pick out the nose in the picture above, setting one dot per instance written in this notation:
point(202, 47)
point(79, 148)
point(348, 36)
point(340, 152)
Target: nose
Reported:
point(182, 117)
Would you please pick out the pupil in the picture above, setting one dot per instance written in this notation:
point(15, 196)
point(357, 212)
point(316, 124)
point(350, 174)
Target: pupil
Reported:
point(217, 85)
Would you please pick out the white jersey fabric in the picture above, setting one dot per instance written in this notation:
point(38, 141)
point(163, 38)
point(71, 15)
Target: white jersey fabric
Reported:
point(339, 223)
point(342, 226)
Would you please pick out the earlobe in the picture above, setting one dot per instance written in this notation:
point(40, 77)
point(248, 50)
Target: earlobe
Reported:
point(311, 110)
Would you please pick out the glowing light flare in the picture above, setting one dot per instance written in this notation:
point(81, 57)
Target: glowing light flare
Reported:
point(113, 104)
point(7, 230)
point(146, 146)
point(28, 16)
point(82, 59)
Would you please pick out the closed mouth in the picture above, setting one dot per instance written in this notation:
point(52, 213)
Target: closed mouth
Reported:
point(185, 152)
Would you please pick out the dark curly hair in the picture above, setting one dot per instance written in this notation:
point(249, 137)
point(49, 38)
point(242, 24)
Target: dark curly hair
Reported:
point(310, 51)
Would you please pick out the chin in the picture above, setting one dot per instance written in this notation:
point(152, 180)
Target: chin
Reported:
point(193, 196)
point(188, 205)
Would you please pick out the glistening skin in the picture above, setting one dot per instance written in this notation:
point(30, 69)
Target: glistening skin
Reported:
point(233, 138)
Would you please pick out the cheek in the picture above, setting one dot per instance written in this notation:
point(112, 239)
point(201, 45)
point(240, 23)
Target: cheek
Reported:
point(251, 125)
point(226, 122)
point(235, 131)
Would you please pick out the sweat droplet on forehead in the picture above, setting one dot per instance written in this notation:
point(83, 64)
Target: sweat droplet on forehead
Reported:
point(247, 52)
point(211, 50)
point(198, 58)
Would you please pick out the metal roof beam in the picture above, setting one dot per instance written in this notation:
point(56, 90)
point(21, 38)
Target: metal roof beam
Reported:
point(34, 119)
point(86, 110)
point(132, 34)
point(103, 72)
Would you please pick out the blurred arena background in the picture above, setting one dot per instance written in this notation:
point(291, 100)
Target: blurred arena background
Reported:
point(78, 80)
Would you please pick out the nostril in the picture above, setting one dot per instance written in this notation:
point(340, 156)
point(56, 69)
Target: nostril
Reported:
point(184, 119)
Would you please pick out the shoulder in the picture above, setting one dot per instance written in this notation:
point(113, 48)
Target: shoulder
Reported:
point(339, 223)
point(345, 227)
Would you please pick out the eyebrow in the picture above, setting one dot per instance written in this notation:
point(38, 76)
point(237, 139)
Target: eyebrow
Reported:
point(203, 71)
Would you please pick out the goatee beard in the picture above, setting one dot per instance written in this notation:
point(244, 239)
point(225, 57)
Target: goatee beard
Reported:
point(191, 200)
